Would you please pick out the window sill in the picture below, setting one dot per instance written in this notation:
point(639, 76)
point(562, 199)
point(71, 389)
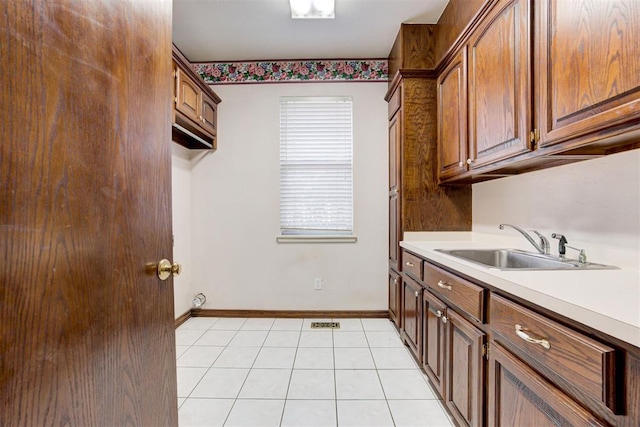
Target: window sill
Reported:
point(316, 239)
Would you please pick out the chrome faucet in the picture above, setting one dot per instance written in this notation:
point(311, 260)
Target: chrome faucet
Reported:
point(542, 247)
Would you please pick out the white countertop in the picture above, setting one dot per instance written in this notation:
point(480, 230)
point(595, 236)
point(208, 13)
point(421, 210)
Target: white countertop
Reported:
point(606, 300)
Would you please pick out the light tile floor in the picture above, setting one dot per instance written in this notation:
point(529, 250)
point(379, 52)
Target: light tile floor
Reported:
point(280, 372)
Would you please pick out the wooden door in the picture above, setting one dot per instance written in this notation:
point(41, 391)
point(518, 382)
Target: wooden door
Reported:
point(86, 327)
point(412, 316)
point(589, 61)
point(452, 118)
point(518, 396)
point(464, 370)
point(433, 340)
point(500, 84)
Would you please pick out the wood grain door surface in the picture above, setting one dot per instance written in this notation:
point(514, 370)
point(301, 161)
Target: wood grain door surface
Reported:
point(86, 328)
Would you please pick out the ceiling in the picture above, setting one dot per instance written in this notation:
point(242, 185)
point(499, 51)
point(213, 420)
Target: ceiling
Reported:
point(237, 30)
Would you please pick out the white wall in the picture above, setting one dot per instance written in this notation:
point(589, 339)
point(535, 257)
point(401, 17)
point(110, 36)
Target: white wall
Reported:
point(235, 259)
point(181, 204)
point(593, 203)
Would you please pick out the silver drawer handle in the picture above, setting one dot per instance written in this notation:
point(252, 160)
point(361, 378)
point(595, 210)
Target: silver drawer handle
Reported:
point(409, 264)
point(520, 331)
point(444, 285)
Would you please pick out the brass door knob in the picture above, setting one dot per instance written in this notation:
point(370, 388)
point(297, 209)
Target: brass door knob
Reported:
point(165, 268)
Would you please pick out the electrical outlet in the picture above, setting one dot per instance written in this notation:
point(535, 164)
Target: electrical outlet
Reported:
point(317, 283)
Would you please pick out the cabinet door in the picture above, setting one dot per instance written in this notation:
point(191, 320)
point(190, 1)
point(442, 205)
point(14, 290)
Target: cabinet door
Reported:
point(589, 60)
point(395, 292)
point(209, 114)
point(188, 97)
point(518, 396)
point(500, 84)
point(464, 370)
point(394, 231)
point(412, 315)
point(452, 118)
point(433, 339)
point(394, 152)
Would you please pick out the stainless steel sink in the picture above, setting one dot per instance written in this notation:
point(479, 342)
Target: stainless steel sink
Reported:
point(514, 259)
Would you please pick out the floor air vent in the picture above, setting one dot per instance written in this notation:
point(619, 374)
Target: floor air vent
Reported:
point(325, 325)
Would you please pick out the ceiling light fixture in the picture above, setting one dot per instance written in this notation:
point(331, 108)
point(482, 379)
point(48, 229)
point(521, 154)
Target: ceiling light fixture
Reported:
point(312, 9)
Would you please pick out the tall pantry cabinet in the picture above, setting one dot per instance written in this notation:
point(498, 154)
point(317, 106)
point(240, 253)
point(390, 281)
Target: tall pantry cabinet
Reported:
point(416, 202)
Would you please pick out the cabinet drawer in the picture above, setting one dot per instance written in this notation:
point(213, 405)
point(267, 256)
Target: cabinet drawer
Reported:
point(394, 102)
point(467, 296)
point(580, 361)
point(412, 265)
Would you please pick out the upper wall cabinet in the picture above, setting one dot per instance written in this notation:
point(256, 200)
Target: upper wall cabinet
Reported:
point(544, 86)
point(452, 118)
point(484, 93)
point(500, 84)
point(589, 69)
point(195, 107)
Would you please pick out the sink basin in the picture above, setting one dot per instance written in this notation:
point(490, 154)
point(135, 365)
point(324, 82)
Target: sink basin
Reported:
point(514, 259)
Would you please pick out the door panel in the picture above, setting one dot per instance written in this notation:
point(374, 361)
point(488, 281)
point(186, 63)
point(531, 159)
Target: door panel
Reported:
point(464, 370)
point(395, 297)
point(500, 84)
point(433, 340)
point(209, 114)
point(518, 396)
point(86, 328)
point(589, 67)
point(412, 316)
point(452, 118)
point(188, 102)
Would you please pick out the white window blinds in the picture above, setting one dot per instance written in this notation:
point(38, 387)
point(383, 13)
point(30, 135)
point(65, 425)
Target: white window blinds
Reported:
point(316, 166)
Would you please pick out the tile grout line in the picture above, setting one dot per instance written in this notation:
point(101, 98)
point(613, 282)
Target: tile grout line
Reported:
point(284, 406)
point(335, 380)
point(380, 380)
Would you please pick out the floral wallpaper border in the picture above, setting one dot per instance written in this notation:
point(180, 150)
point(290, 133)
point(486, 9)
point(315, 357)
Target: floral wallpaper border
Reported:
point(293, 71)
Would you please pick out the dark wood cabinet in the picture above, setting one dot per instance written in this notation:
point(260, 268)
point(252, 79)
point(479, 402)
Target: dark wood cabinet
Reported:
point(433, 340)
point(452, 118)
point(412, 316)
point(416, 201)
point(547, 83)
point(588, 82)
point(395, 298)
point(495, 361)
point(500, 84)
point(195, 107)
point(395, 229)
point(464, 370)
point(518, 396)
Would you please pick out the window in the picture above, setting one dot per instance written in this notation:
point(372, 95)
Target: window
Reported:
point(316, 166)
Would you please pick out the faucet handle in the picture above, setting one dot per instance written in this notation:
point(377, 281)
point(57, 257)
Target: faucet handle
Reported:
point(544, 243)
point(561, 244)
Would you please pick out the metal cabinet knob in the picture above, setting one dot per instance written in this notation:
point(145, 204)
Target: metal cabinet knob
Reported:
point(417, 294)
point(444, 319)
point(469, 161)
point(461, 164)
